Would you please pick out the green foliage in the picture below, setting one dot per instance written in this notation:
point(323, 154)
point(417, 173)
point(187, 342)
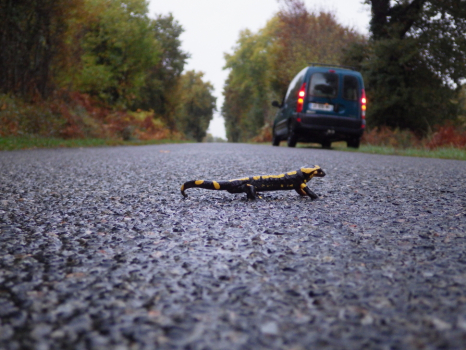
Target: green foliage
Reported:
point(18, 117)
point(414, 63)
point(402, 91)
point(119, 48)
point(248, 88)
point(161, 82)
point(210, 138)
point(33, 44)
point(443, 153)
point(107, 51)
point(264, 63)
point(197, 105)
point(11, 143)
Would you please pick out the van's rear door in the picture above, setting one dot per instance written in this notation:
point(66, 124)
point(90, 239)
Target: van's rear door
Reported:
point(334, 99)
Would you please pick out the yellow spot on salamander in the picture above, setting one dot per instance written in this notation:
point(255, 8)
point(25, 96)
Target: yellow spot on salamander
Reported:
point(182, 187)
point(303, 185)
point(242, 179)
point(216, 185)
point(291, 173)
point(256, 177)
point(309, 170)
point(272, 176)
point(199, 182)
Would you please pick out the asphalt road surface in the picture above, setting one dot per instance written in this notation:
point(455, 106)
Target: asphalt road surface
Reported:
point(98, 250)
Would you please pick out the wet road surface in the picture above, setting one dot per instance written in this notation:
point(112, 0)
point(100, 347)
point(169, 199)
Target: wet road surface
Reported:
point(98, 249)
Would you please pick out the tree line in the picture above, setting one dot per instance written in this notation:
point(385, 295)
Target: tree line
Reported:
point(109, 50)
point(413, 63)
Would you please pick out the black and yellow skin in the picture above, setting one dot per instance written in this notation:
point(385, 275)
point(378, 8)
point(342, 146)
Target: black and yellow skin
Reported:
point(294, 180)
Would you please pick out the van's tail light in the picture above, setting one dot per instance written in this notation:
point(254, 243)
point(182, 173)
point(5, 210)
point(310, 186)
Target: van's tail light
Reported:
point(301, 95)
point(363, 108)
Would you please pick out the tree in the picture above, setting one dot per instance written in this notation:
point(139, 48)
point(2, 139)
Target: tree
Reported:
point(196, 105)
point(118, 50)
point(414, 62)
point(248, 89)
point(162, 79)
point(303, 37)
point(33, 37)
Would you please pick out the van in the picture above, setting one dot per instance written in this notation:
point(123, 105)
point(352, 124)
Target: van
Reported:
point(323, 104)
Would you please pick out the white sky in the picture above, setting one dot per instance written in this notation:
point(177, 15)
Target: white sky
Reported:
point(212, 28)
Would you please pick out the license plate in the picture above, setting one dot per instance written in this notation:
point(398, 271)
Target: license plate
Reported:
point(322, 107)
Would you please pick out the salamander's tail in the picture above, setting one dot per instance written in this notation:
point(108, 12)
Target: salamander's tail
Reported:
point(208, 185)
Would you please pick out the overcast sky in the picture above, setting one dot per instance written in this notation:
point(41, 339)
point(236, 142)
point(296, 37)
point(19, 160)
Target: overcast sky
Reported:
point(212, 28)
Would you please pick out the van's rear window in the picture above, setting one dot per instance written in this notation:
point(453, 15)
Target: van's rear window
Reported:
point(350, 88)
point(324, 85)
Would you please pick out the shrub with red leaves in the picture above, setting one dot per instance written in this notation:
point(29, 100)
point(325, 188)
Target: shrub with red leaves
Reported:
point(447, 136)
point(388, 137)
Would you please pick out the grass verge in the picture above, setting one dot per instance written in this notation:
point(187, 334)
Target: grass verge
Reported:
point(10, 143)
point(443, 152)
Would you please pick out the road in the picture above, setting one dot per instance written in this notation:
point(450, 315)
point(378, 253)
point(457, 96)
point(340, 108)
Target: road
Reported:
point(99, 250)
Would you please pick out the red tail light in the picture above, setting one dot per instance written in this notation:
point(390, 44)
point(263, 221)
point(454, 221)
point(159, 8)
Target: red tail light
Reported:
point(363, 108)
point(301, 94)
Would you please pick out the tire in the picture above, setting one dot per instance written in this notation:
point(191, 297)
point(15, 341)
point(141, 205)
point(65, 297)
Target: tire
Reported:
point(326, 144)
point(291, 140)
point(276, 139)
point(353, 143)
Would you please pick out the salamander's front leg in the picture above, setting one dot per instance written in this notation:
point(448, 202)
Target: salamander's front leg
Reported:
point(301, 192)
point(250, 191)
point(310, 193)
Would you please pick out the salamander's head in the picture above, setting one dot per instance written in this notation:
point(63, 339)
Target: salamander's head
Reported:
point(309, 173)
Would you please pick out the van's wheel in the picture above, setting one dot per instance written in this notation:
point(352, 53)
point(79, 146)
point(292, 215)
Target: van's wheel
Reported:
point(276, 139)
point(292, 139)
point(326, 144)
point(353, 143)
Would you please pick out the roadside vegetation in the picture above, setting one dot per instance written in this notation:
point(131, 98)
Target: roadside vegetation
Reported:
point(445, 142)
point(97, 69)
point(103, 72)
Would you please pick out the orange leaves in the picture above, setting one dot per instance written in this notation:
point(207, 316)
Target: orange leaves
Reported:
point(448, 136)
point(444, 136)
point(303, 37)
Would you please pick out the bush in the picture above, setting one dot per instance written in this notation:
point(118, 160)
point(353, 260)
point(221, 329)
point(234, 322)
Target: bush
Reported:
point(444, 136)
point(449, 136)
point(75, 116)
point(387, 137)
point(18, 117)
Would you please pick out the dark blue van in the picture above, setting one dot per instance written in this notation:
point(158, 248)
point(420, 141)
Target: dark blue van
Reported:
point(323, 104)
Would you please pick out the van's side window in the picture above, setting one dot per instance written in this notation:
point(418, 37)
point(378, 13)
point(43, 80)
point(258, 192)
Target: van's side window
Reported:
point(350, 88)
point(324, 85)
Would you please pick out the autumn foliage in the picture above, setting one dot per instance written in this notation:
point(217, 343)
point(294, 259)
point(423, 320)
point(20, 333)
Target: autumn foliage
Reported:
point(77, 115)
point(90, 68)
point(445, 136)
point(448, 136)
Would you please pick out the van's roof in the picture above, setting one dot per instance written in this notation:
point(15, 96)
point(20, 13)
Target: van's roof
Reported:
point(337, 69)
point(331, 66)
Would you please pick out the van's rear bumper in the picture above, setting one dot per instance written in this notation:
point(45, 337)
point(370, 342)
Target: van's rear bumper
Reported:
point(318, 128)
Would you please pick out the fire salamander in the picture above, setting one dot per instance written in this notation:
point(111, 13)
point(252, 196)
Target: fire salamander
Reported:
point(293, 180)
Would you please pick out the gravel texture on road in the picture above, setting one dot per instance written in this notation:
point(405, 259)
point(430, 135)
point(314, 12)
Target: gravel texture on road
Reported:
point(98, 249)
